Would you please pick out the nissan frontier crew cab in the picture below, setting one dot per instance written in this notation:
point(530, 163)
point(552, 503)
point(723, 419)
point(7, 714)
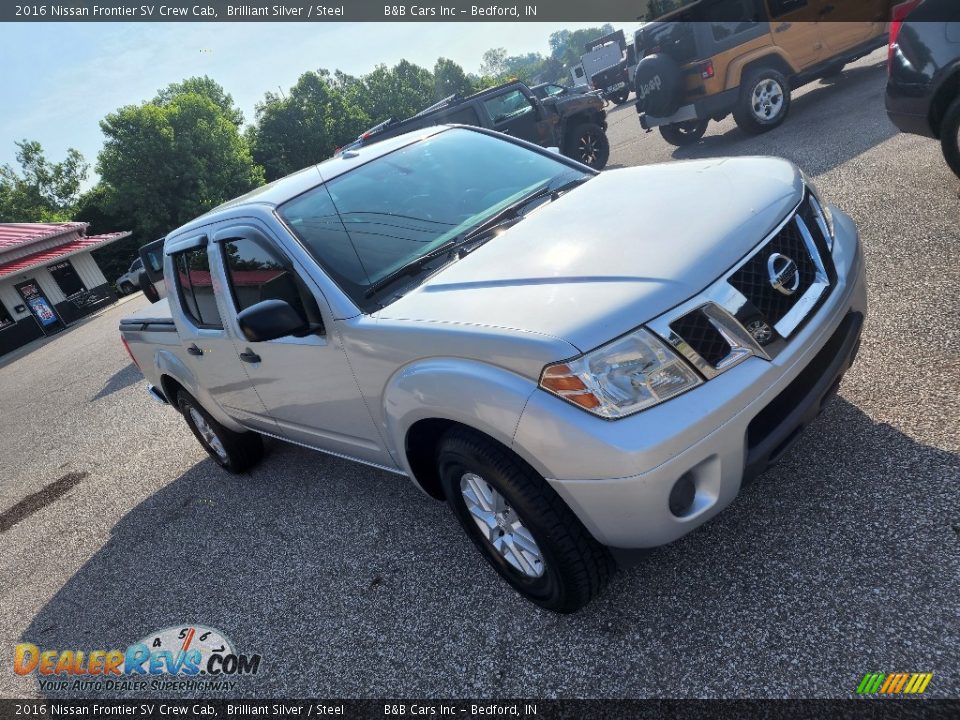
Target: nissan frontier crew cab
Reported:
point(461, 307)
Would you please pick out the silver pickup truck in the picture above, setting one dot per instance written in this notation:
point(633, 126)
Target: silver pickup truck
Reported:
point(458, 306)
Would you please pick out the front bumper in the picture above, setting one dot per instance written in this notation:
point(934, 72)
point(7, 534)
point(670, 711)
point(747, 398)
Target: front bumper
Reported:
point(617, 476)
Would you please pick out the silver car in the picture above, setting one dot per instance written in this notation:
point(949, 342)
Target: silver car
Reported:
point(464, 309)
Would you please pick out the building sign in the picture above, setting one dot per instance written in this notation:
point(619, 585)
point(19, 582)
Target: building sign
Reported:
point(37, 302)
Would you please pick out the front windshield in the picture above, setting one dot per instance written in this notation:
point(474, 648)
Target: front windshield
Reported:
point(364, 225)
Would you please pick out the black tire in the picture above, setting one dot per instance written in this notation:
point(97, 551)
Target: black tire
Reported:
point(950, 136)
point(588, 143)
point(685, 133)
point(574, 567)
point(658, 83)
point(621, 97)
point(750, 115)
point(126, 288)
point(241, 450)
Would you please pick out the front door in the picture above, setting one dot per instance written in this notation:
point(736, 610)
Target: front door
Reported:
point(795, 30)
point(512, 113)
point(209, 351)
point(305, 383)
point(40, 306)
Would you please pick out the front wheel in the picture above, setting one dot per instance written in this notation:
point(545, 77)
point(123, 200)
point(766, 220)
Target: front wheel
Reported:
point(684, 133)
point(950, 136)
point(234, 451)
point(588, 143)
point(764, 101)
point(520, 525)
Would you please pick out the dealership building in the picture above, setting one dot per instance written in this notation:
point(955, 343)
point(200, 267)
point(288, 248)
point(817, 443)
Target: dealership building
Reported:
point(48, 279)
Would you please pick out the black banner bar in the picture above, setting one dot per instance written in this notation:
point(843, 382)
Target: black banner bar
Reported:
point(872, 709)
point(423, 11)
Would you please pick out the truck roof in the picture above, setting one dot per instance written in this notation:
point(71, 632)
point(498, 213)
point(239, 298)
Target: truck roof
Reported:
point(279, 191)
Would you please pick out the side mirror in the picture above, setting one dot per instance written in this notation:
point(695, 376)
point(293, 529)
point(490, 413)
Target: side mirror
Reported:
point(271, 319)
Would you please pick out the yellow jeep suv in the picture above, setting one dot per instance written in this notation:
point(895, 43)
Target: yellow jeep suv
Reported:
point(709, 58)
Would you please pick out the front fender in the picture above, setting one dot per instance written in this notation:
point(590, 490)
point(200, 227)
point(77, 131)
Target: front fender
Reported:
point(484, 397)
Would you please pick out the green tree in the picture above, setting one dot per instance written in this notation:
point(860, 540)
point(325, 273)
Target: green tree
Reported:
point(493, 63)
point(172, 159)
point(95, 207)
point(208, 88)
point(41, 191)
point(306, 125)
point(449, 78)
point(397, 92)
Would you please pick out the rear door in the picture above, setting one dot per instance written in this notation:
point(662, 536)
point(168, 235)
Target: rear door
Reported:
point(795, 30)
point(209, 350)
point(844, 24)
point(305, 383)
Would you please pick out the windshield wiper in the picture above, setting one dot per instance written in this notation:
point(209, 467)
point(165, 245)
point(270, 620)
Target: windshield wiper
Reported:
point(512, 211)
point(410, 268)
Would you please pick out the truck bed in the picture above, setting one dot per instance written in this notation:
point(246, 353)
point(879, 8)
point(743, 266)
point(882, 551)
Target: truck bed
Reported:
point(146, 330)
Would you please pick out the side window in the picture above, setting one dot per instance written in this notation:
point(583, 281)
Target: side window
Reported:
point(508, 106)
point(256, 272)
point(137, 265)
point(779, 8)
point(195, 287)
point(731, 17)
point(464, 116)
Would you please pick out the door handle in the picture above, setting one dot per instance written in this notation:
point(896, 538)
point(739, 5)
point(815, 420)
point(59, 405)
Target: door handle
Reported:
point(249, 356)
point(784, 27)
point(194, 350)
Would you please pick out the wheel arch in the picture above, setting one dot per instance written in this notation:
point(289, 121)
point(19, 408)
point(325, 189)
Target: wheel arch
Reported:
point(767, 58)
point(943, 97)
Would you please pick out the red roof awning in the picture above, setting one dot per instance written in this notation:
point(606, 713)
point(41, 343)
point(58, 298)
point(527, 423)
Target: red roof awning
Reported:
point(46, 257)
point(13, 234)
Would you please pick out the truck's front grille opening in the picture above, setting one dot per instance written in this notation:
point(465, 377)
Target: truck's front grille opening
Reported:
point(753, 279)
point(700, 334)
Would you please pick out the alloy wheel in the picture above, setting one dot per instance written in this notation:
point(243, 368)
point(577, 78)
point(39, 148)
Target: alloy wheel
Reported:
point(501, 526)
point(767, 100)
point(208, 434)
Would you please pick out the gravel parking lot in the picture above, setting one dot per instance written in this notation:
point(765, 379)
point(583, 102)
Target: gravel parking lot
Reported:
point(842, 560)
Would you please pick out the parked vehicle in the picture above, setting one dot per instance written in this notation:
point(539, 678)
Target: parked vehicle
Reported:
point(577, 126)
point(130, 282)
point(923, 91)
point(150, 279)
point(469, 310)
point(695, 68)
point(608, 66)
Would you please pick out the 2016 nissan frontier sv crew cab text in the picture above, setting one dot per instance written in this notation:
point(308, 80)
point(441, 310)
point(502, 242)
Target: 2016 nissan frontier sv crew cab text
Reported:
point(465, 308)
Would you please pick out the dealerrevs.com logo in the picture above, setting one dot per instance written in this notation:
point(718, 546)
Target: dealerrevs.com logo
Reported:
point(199, 657)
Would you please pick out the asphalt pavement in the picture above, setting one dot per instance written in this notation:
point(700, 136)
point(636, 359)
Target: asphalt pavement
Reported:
point(842, 560)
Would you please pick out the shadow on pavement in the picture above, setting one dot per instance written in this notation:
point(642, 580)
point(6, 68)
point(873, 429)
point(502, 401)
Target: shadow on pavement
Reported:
point(816, 115)
point(120, 379)
point(349, 582)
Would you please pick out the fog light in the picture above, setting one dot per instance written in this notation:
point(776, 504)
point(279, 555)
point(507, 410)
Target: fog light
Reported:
point(681, 497)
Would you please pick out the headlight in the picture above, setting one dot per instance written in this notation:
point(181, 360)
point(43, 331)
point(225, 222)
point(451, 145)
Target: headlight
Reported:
point(821, 210)
point(621, 378)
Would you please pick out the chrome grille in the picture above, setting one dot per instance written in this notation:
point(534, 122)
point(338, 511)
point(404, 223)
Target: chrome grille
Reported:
point(743, 313)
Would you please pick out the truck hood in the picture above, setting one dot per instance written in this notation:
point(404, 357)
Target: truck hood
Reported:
point(614, 253)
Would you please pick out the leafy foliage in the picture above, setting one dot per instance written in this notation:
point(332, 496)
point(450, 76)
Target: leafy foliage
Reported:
point(172, 159)
point(41, 191)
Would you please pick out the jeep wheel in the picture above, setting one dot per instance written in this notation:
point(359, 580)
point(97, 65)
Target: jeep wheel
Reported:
point(588, 143)
point(126, 288)
point(764, 101)
point(235, 452)
point(621, 97)
point(684, 133)
point(520, 524)
point(950, 136)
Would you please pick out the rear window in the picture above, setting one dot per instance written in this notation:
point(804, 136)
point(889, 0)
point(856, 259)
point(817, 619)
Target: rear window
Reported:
point(195, 286)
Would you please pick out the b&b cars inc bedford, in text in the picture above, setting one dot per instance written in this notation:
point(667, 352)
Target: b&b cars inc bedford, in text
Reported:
point(177, 11)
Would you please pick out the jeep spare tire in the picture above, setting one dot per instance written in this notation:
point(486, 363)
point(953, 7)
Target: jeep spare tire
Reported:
point(658, 85)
